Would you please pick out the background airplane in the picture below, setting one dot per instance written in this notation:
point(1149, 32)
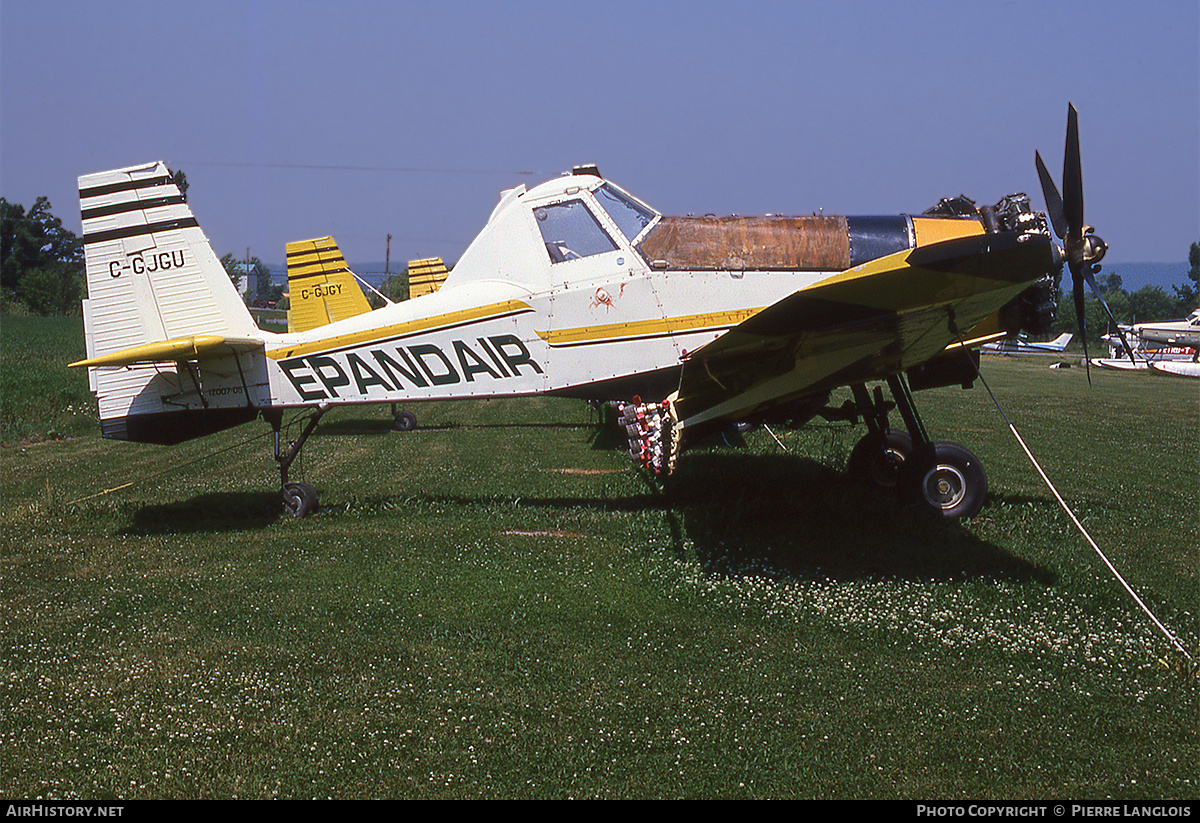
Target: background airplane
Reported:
point(1022, 346)
point(1164, 342)
point(1184, 332)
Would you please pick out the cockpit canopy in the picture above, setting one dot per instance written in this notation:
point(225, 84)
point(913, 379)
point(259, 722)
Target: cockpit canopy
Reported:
point(572, 218)
point(537, 239)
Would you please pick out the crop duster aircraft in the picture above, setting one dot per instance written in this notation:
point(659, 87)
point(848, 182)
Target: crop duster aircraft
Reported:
point(576, 288)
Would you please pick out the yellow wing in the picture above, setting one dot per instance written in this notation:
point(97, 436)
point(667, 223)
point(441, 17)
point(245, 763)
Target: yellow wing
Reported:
point(866, 323)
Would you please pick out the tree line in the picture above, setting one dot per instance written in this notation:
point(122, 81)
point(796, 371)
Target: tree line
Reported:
point(42, 272)
point(1148, 303)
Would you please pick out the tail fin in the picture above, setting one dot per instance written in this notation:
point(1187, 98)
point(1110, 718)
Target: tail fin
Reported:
point(426, 276)
point(321, 289)
point(1062, 340)
point(159, 307)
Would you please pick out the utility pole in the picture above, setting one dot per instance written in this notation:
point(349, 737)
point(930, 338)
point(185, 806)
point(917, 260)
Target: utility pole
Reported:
point(387, 258)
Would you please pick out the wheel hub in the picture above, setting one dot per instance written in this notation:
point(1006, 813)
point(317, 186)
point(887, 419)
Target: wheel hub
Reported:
point(945, 486)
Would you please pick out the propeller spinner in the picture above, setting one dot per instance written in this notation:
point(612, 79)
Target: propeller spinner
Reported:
point(1084, 248)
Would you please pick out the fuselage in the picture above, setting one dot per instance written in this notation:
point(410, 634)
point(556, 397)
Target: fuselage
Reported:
point(577, 288)
point(573, 288)
point(1184, 332)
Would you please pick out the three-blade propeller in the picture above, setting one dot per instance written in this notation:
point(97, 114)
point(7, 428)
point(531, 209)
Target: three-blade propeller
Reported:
point(1084, 249)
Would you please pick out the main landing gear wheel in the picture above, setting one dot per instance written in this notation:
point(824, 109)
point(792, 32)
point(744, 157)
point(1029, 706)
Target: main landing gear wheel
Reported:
point(944, 479)
point(299, 499)
point(877, 457)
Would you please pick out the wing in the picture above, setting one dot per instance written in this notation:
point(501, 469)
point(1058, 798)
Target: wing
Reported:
point(867, 323)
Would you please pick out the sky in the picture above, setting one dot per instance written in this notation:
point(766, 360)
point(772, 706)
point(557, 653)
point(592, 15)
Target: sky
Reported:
point(366, 119)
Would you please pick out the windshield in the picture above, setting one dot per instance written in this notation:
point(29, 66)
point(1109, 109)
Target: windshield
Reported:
point(630, 216)
point(571, 232)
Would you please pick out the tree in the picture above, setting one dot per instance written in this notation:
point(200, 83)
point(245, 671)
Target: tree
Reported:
point(237, 269)
point(1189, 296)
point(1110, 283)
point(232, 267)
point(36, 251)
point(396, 287)
point(1151, 303)
point(180, 181)
point(56, 289)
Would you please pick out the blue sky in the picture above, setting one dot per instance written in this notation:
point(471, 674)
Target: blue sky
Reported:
point(362, 119)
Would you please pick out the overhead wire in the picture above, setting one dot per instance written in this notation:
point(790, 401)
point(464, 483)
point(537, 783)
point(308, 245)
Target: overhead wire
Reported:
point(342, 167)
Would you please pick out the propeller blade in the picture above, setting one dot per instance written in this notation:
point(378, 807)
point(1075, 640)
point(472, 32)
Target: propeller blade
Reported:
point(1077, 291)
point(1054, 203)
point(1073, 179)
point(1091, 281)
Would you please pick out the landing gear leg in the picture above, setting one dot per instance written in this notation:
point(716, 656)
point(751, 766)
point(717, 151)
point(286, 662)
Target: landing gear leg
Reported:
point(942, 478)
point(878, 456)
point(298, 498)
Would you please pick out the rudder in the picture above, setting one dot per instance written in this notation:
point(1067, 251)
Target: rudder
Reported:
point(426, 276)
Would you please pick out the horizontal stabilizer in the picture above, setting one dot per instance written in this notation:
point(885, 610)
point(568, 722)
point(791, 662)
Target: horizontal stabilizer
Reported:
point(197, 347)
point(321, 288)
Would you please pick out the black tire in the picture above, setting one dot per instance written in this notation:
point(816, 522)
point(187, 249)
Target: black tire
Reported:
point(945, 480)
point(299, 499)
point(877, 459)
point(404, 421)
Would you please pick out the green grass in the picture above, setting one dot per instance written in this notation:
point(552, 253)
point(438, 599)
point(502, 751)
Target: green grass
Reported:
point(498, 605)
point(39, 398)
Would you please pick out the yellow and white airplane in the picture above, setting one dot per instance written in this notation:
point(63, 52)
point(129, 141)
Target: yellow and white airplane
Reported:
point(579, 289)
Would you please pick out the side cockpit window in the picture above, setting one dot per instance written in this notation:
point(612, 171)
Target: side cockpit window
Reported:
point(571, 232)
point(630, 216)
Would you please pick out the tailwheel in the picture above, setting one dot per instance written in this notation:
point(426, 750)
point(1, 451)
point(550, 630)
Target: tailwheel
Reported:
point(878, 456)
point(299, 499)
point(403, 420)
point(945, 479)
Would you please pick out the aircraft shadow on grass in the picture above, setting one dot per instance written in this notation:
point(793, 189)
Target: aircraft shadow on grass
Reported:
point(796, 518)
point(780, 516)
point(356, 426)
point(213, 512)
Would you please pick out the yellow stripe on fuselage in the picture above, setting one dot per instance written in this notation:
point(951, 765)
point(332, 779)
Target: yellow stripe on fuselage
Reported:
point(619, 332)
point(424, 324)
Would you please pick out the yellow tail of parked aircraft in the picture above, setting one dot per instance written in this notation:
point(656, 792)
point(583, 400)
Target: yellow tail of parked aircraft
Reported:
point(321, 288)
point(576, 288)
point(426, 276)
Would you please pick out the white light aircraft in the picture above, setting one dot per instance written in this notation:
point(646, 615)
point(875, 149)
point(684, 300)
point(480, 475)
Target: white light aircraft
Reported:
point(1184, 332)
point(1165, 346)
point(576, 288)
point(1020, 345)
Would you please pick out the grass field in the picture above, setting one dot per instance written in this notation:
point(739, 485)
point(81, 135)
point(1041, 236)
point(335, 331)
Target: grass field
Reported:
point(498, 606)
